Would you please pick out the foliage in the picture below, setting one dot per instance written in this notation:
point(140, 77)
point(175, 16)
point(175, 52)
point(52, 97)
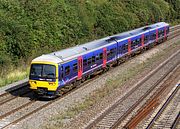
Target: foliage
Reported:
point(30, 28)
point(174, 9)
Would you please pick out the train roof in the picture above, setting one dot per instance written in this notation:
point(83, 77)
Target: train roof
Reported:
point(63, 54)
point(66, 54)
point(138, 31)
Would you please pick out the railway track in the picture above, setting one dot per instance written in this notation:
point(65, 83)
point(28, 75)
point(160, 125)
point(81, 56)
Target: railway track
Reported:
point(27, 108)
point(16, 115)
point(174, 33)
point(154, 101)
point(169, 114)
point(9, 96)
point(173, 28)
point(30, 107)
point(116, 113)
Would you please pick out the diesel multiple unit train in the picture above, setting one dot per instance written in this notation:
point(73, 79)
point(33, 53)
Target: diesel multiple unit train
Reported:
point(52, 73)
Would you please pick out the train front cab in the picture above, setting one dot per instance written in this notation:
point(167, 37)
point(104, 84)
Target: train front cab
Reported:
point(43, 78)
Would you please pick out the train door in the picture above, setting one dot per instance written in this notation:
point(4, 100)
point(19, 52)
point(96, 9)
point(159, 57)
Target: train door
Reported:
point(80, 67)
point(129, 46)
point(104, 57)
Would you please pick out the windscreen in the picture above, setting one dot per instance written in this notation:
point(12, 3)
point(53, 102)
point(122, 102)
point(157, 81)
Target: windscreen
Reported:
point(42, 71)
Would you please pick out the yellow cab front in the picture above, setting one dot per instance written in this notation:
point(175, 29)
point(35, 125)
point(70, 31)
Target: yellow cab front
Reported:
point(43, 78)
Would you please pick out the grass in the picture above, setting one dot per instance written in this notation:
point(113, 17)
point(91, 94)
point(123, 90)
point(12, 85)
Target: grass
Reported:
point(110, 86)
point(13, 76)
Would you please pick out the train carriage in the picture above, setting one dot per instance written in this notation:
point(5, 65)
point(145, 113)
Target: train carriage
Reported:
point(50, 74)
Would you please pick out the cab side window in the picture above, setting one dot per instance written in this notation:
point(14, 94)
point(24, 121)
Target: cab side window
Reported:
point(62, 72)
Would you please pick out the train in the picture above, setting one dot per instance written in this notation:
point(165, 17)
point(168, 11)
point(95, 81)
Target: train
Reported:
point(52, 74)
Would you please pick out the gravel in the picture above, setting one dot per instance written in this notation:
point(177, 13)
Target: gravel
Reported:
point(4, 108)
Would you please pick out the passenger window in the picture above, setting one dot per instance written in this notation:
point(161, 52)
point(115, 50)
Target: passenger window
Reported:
point(133, 43)
point(111, 51)
point(126, 47)
point(93, 59)
point(123, 47)
point(67, 70)
point(101, 56)
point(75, 67)
point(146, 39)
point(97, 57)
point(85, 62)
point(89, 61)
point(138, 41)
point(153, 36)
point(160, 33)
